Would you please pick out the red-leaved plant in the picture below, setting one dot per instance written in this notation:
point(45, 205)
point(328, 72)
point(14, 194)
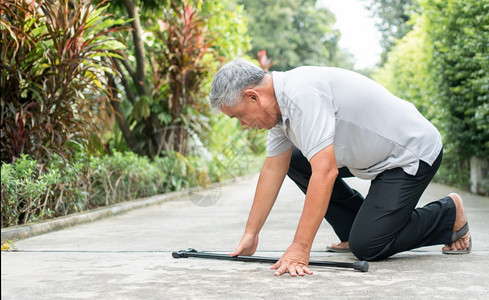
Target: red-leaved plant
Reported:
point(181, 67)
point(168, 104)
point(52, 76)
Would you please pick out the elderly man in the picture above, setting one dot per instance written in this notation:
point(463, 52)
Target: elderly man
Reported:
point(326, 124)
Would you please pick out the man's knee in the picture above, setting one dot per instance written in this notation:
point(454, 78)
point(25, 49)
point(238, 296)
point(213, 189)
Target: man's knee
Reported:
point(365, 248)
point(359, 248)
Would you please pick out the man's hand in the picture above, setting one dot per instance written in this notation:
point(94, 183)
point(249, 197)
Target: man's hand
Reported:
point(294, 261)
point(247, 246)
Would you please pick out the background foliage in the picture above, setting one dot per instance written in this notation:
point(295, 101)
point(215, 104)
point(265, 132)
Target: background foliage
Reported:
point(294, 33)
point(461, 73)
point(394, 21)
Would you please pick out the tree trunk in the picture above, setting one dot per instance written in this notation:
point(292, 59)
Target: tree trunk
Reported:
point(121, 121)
point(137, 33)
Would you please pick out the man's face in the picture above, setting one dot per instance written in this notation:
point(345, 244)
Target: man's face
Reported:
point(252, 113)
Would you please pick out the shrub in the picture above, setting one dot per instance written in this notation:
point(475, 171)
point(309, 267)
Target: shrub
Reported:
point(459, 31)
point(32, 191)
point(25, 190)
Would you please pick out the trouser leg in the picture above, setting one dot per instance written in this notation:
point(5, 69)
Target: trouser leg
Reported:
point(345, 201)
point(388, 223)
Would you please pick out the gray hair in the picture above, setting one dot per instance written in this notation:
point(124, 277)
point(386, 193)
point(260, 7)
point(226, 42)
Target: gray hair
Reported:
point(231, 80)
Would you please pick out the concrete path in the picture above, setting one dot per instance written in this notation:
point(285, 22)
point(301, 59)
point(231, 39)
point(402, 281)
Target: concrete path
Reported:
point(128, 256)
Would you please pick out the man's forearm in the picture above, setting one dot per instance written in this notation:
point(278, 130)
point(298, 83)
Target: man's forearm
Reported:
point(266, 193)
point(271, 178)
point(324, 173)
point(315, 207)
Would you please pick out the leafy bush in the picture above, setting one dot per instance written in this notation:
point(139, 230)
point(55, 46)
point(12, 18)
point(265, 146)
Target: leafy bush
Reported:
point(52, 76)
point(32, 191)
point(407, 72)
point(459, 31)
point(28, 193)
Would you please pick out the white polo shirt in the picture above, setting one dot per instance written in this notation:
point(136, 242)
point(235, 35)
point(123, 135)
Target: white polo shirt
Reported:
point(371, 129)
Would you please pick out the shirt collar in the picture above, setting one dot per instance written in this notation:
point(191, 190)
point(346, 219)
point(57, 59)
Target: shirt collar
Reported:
point(278, 87)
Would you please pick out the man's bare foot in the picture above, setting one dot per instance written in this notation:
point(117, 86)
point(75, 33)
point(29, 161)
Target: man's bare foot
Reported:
point(340, 246)
point(460, 221)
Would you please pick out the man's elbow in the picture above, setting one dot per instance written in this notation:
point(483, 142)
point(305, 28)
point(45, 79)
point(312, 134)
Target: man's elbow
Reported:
point(326, 171)
point(324, 164)
point(332, 173)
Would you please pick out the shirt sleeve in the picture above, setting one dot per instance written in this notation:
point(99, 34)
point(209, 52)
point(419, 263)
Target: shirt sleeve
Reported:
point(277, 142)
point(313, 121)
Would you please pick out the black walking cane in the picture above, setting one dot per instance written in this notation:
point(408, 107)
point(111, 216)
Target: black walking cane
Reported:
point(361, 266)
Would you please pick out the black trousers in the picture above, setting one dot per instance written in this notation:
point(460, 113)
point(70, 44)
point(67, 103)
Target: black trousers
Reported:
point(386, 221)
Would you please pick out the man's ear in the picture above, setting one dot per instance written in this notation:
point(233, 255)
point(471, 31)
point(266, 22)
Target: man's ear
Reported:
point(251, 94)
